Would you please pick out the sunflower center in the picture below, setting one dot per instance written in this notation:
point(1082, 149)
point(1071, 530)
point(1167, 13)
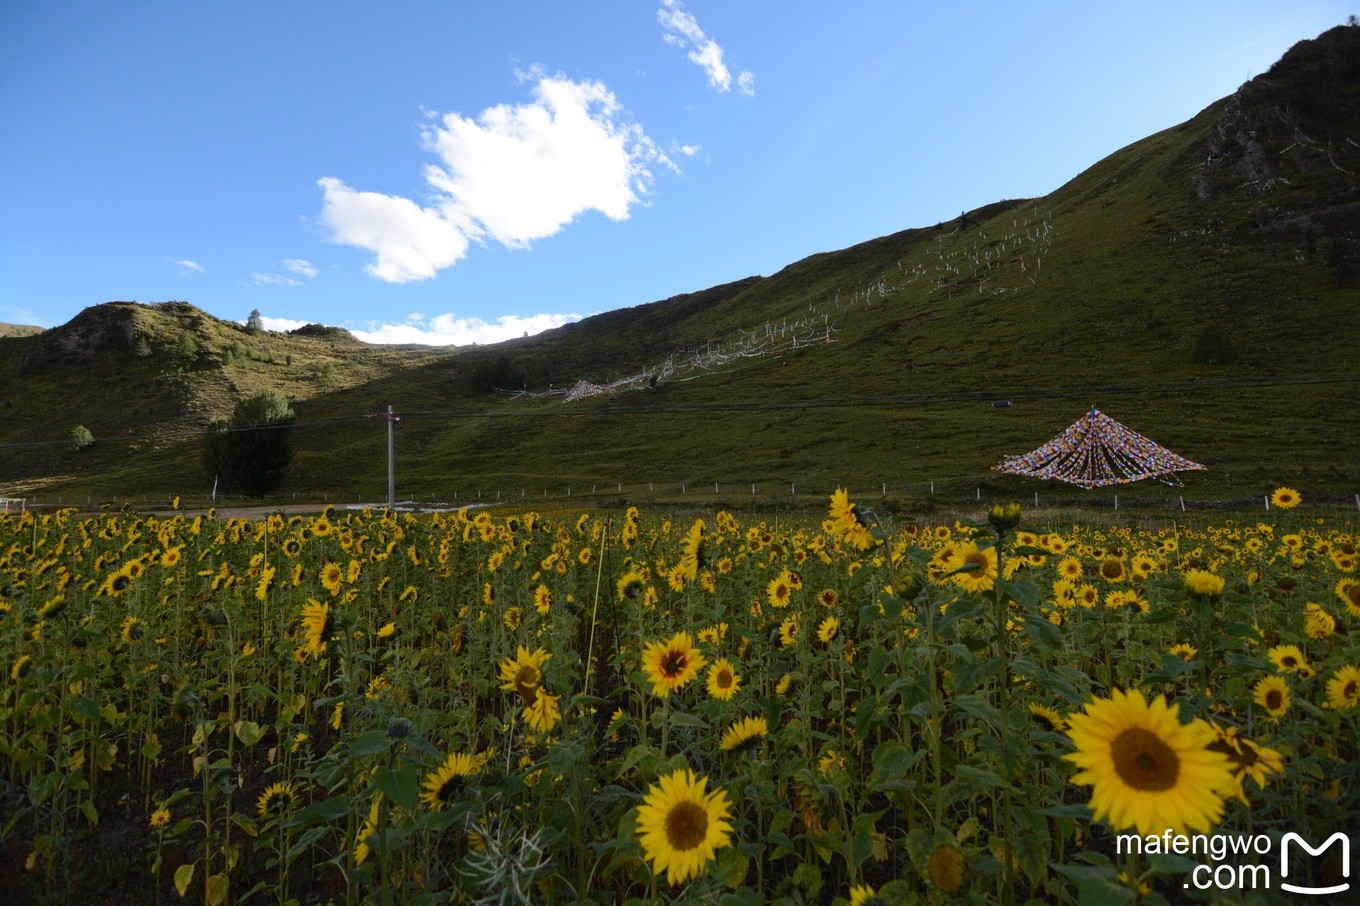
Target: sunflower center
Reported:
point(1351, 689)
point(1144, 761)
point(724, 679)
point(449, 789)
point(1273, 699)
point(672, 664)
point(686, 825)
point(526, 679)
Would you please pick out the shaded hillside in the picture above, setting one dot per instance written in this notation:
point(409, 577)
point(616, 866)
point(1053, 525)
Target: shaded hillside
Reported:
point(1198, 285)
point(18, 330)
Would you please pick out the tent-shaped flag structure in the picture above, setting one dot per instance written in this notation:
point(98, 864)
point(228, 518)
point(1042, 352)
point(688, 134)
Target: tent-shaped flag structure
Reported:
point(1097, 451)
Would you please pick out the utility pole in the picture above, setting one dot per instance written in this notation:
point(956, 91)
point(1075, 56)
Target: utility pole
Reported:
point(391, 463)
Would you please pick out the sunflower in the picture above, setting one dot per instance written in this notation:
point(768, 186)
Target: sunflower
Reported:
point(543, 599)
point(693, 549)
point(780, 590)
point(1248, 759)
point(846, 522)
point(1318, 623)
point(1184, 650)
point(745, 735)
point(523, 673)
point(1343, 689)
point(1348, 590)
point(680, 826)
point(542, 714)
point(1087, 595)
point(275, 801)
point(827, 597)
point(444, 783)
point(945, 867)
point(331, 577)
point(1143, 566)
point(361, 848)
point(1285, 498)
point(974, 568)
point(1287, 658)
point(160, 818)
point(1112, 569)
point(788, 632)
point(827, 629)
point(132, 629)
point(863, 895)
point(723, 680)
point(1272, 694)
point(265, 584)
point(1148, 770)
point(1070, 568)
point(318, 625)
point(1047, 718)
point(670, 665)
point(1202, 583)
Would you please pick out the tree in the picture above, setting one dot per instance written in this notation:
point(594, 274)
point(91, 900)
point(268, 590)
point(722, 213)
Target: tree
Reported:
point(255, 324)
point(81, 438)
point(251, 452)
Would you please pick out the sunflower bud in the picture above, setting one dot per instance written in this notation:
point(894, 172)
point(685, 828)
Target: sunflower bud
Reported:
point(1004, 517)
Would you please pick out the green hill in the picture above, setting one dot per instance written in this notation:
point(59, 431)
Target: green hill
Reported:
point(1199, 285)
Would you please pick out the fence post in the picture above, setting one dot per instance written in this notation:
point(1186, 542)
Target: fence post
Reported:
point(1182, 503)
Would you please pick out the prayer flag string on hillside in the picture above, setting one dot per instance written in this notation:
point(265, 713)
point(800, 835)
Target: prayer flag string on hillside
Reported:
point(1097, 451)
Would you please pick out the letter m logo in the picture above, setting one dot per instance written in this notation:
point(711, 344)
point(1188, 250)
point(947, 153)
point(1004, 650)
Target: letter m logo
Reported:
point(1292, 837)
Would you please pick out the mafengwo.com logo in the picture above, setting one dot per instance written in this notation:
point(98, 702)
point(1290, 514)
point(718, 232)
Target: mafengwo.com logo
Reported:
point(1241, 862)
point(1300, 843)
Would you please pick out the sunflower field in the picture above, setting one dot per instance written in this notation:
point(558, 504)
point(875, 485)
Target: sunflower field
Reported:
point(513, 707)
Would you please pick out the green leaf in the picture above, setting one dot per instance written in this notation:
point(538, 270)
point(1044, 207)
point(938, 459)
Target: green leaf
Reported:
point(1043, 635)
point(1100, 892)
point(86, 707)
point(399, 785)
point(684, 719)
point(88, 810)
point(248, 731)
point(893, 762)
point(325, 811)
point(374, 742)
point(184, 876)
point(215, 889)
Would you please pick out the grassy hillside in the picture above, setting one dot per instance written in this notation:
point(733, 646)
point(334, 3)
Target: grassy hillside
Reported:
point(1200, 286)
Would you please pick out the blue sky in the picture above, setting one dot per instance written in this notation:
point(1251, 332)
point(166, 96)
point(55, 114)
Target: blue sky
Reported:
point(454, 172)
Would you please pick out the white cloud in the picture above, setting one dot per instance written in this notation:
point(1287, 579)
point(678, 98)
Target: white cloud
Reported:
point(188, 267)
point(514, 174)
point(682, 31)
point(280, 325)
point(297, 266)
point(412, 243)
point(273, 280)
point(451, 330)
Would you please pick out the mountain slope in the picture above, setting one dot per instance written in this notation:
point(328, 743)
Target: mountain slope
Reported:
point(1198, 285)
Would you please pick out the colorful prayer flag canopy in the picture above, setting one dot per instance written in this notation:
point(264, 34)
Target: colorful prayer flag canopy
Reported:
point(1097, 451)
